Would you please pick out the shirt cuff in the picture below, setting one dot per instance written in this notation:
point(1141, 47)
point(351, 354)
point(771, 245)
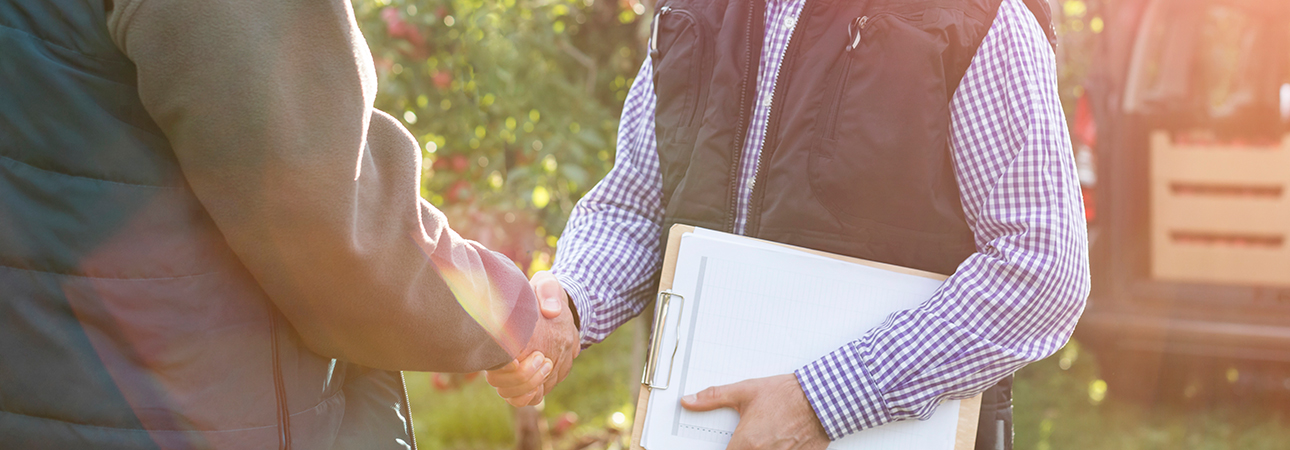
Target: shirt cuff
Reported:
point(584, 302)
point(843, 396)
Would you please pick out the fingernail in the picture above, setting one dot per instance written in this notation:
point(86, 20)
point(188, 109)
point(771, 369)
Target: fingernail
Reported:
point(546, 368)
point(538, 361)
point(690, 399)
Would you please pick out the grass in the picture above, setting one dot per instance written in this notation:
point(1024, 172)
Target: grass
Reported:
point(604, 381)
point(1061, 403)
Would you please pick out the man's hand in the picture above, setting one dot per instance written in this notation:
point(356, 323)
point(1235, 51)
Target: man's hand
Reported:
point(555, 336)
point(773, 414)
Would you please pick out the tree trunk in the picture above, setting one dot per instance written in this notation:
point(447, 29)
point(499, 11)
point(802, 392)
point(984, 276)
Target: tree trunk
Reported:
point(528, 428)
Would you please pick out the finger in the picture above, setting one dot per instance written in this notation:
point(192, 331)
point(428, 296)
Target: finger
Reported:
point(562, 370)
point(565, 368)
point(526, 399)
point(550, 382)
point(515, 373)
point(537, 399)
point(505, 376)
point(534, 382)
point(728, 396)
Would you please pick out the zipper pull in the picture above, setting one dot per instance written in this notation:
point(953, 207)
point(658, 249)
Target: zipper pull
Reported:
point(653, 32)
point(854, 30)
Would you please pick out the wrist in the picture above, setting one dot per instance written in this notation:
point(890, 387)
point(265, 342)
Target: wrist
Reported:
point(843, 404)
point(580, 302)
point(573, 309)
point(802, 405)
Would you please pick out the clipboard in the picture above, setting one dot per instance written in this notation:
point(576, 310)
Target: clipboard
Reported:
point(969, 409)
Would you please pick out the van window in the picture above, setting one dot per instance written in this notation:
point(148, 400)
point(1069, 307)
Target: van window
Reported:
point(1217, 65)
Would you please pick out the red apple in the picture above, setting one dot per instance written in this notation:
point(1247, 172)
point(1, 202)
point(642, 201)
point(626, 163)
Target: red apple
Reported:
point(565, 422)
point(441, 382)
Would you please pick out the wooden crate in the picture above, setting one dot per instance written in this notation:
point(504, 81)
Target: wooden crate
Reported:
point(1220, 213)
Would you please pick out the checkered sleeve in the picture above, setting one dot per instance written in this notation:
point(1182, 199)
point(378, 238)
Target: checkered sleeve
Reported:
point(1014, 301)
point(610, 249)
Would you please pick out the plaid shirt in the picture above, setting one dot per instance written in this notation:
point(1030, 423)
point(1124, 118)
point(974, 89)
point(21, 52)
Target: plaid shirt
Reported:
point(1014, 301)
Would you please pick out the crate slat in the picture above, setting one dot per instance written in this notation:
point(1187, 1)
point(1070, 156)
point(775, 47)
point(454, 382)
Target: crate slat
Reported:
point(1220, 214)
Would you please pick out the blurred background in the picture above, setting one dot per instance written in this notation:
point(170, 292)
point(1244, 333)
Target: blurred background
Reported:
point(1177, 111)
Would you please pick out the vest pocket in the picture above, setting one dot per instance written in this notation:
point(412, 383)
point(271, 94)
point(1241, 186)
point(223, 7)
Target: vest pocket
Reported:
point(868, 48)
point(882, 151)
point(677, 54)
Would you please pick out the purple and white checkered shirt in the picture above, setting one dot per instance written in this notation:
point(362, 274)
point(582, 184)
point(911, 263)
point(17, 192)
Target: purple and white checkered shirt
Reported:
point(1014, 301)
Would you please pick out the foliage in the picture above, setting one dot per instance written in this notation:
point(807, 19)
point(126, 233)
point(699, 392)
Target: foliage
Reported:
point(1079, 24)
point(516, 102)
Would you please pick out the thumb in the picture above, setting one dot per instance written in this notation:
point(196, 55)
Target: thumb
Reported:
point(728, 396)
point(551, 296)
point(551, 306)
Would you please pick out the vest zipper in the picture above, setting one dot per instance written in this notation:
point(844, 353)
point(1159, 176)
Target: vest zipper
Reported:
point(854, 31)
point(855, 36)
point(733, 188)
point(279, 389)
point(653, 31)
point(750, 221)
point(831, 122)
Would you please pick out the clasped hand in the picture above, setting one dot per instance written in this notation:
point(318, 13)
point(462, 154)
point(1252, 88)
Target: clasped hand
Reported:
point(773, 411)
point(550, 352)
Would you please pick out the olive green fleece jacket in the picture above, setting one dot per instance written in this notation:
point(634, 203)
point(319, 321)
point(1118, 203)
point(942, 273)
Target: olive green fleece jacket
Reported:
point(268, 107)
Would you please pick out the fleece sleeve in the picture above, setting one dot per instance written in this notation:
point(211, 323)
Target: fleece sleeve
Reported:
point(268, 107)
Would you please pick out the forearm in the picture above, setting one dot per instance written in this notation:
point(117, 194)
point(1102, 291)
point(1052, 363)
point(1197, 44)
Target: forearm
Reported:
point(988, 320)
point(268, 109)
point(608, 267)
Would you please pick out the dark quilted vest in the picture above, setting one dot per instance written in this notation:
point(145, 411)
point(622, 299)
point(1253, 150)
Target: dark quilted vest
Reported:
point(856, 159)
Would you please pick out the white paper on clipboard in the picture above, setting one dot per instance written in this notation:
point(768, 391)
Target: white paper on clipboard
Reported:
point(754, 309)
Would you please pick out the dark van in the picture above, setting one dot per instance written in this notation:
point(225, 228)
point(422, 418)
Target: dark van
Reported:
point(1183, 145)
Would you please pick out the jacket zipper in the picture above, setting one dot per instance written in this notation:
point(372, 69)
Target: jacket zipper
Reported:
point(407, 411)
point(750, 221)
point(284, 412)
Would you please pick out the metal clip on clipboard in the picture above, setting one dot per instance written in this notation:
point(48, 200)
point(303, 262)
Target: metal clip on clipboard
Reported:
point(661, 310)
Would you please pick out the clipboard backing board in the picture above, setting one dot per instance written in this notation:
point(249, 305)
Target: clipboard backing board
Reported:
point(969, 409)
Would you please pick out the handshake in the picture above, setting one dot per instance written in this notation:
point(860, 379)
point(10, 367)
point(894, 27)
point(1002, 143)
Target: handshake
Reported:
point(550, 352)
